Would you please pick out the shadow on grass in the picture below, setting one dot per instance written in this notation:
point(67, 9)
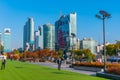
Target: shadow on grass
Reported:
point(58, 72)
point(19, 67)
point(47, 68)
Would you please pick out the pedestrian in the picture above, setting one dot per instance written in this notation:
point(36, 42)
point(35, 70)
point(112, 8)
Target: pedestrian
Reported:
point(3, 63)
point(59, 61)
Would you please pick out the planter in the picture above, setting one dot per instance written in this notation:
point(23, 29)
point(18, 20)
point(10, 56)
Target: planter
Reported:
point(107, 75)
point(94, 69)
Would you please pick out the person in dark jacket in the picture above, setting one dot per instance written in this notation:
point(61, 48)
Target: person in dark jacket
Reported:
point(59, 61)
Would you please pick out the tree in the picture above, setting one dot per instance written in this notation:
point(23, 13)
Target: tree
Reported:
point(118, 45)
point(1, 48)
point(78, 54)
point(16, 51)
point(88, 54)
point(59, 53)
point(111, 49)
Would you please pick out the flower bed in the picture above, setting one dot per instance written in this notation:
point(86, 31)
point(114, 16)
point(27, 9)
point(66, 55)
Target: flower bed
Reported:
point(112, 68)
point(96, 64)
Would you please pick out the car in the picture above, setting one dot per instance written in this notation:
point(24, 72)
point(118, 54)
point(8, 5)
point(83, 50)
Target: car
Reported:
point(114, 59)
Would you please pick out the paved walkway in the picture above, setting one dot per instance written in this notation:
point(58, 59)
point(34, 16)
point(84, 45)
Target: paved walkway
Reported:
point(65, 67)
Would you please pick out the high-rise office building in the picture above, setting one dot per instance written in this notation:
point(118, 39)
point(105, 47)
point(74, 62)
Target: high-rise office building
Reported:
point(89, 43)
point(7, 40)
point(49, 36)
point(36, 39)
point(65, 31)
point(28, 35)
point(39, 38)
point(40, 42)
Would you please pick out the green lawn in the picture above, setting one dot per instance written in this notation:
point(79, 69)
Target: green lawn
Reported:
point(24, 71)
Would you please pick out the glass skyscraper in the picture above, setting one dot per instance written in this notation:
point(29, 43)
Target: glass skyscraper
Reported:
point(36, 39)
point(39, 38)
point(64, 27)
point(28, 35)
point(49, 36)
point(7, 40)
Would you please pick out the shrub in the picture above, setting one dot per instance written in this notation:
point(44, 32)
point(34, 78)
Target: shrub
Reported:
point(114, 70)
point(96, 64)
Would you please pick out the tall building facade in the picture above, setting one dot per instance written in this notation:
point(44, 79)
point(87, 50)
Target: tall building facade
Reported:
point(7, 40)
point(39, 38)
point(89, 43)
point(28, 35)
point(64, 28)
point(49, 36)
point(36, 39)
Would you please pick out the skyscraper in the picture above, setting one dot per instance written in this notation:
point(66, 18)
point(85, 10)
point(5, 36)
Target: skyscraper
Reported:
point(40, 42)
point(39, 38)
point(49, 36)
point(64, 27)
point(28, 35)
point(36, 39)
point(7, 40)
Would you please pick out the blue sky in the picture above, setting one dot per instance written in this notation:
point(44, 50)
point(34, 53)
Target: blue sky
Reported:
point(14, 13)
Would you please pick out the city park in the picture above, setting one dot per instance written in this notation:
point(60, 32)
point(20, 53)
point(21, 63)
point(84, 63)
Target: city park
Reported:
point(19, 67)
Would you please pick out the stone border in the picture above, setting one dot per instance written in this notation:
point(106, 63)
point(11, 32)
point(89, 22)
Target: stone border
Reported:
point(107, 75)
point(94, 69)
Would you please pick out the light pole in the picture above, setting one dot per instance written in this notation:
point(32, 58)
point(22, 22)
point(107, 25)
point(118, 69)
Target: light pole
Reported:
point(73, 36)
point(103, 15)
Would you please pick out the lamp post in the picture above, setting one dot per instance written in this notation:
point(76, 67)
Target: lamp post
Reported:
point(70, 39)
point(103, 15)
point(73, 36)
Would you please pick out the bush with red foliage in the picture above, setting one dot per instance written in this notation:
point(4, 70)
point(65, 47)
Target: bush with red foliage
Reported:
point(96, 64)
point(16, 56)
point(114, 70)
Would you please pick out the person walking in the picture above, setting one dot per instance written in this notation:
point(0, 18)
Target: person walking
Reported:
point(59, 61)
point(3, 63)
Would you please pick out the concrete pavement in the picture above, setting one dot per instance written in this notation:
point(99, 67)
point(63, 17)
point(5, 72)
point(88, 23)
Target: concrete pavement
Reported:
point(64, 67)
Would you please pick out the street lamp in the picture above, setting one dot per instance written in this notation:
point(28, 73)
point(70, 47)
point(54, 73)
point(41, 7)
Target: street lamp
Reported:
point(73, 36)
point(103, 15)
point(70, 39)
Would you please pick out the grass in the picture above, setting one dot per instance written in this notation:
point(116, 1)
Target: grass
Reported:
point(24, 71)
